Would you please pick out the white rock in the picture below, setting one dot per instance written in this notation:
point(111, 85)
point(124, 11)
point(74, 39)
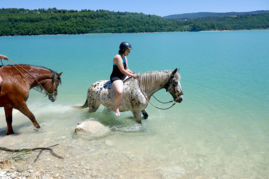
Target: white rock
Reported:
point(91, 128)
point(171, 172)
point(13, 175)
point(109, 142)
point(3, 174)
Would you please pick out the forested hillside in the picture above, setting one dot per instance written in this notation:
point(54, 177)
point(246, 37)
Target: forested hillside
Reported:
point(212, 14)
point(54, 21)
point(236, 22)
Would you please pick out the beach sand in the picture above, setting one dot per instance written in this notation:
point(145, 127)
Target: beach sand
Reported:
point(101, 161)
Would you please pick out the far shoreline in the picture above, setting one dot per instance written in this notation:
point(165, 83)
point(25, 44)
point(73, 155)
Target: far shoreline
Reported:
point(136, 32)
point(233, 30)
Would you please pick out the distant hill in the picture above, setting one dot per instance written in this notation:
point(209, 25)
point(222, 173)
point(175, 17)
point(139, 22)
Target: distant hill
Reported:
point(235, 22)
point(212, 14)
point(59, 21)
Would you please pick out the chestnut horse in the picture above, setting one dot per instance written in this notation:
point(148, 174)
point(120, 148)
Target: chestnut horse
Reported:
point(17, 82)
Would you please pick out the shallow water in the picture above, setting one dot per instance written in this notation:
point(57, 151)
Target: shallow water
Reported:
point(220, 130)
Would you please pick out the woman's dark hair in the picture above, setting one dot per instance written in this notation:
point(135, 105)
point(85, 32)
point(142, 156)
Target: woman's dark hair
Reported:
point(124, 46)
point(121, 51)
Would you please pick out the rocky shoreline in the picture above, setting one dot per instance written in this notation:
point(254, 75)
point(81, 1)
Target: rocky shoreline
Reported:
point(102, 161)
point(86, 154)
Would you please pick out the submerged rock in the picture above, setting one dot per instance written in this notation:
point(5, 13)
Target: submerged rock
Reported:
point(171, 172)
point(91, 129)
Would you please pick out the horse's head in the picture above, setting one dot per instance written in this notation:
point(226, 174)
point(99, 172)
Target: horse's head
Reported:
point(50, 85)
point(173, 86)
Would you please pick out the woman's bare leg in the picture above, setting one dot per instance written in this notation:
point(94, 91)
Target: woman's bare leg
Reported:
point(118, 86)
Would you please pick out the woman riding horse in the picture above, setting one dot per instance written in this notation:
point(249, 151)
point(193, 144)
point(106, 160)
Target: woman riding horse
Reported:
point(120, 70)
point(136, 92)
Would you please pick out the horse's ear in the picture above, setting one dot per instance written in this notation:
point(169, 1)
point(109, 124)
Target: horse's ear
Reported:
point(60, 74)
point(174, 72)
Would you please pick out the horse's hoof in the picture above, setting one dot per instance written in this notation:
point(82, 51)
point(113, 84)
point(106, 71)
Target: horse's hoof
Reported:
point(36, 129)
point(145, 116)
point(10, 132)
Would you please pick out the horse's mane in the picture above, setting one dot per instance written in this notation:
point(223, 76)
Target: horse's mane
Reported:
point(33, 66)
point(150, 78)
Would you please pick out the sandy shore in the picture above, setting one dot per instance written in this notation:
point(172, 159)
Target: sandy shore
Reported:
point(100, 163)
point(97, 159)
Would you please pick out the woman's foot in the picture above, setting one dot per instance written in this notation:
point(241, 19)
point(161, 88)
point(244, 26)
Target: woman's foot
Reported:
point(117, 112)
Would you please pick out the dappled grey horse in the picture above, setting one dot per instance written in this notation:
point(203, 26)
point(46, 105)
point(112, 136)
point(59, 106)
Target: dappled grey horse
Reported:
point(136, 92)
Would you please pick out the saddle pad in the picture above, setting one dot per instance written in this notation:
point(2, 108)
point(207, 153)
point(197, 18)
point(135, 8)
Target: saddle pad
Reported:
point(108, 84)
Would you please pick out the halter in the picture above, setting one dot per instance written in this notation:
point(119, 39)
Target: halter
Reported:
point(39, 84)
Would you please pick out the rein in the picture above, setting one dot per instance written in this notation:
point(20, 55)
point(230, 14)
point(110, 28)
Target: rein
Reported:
point(39, 84)
point(162, 101)
point(163, 108)
point(148, 100)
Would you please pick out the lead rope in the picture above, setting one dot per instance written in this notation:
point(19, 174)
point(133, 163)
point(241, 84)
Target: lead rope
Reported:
point(28, 74)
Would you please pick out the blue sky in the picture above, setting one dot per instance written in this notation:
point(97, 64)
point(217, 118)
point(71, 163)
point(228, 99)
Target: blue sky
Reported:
point(156, 7)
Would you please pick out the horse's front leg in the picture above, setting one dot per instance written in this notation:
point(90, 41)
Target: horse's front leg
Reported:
point(8, 112)
point(137, 116)
point(25, 110)
point(145, 114)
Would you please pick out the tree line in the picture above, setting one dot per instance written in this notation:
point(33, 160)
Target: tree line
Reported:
point(235, 22)
point(56, 21)
point(213, 14)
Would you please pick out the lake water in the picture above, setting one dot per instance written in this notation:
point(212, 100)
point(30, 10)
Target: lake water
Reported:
point(220, 130)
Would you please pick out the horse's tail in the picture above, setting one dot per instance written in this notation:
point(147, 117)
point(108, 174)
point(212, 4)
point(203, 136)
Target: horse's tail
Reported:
point(83, 106)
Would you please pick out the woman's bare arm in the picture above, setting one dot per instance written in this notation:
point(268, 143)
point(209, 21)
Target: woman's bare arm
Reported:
point(3, 57)
point(121, 67)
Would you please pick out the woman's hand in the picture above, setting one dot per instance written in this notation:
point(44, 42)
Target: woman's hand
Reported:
point(135, 75)
point(3, 57)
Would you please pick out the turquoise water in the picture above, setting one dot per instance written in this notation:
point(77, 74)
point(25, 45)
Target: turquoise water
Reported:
point(221, 129)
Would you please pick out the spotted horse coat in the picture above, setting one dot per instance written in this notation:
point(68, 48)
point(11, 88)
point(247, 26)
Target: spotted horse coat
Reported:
point(136, 92)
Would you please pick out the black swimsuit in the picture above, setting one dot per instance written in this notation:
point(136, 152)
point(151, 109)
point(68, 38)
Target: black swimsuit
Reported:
point(116, 73)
